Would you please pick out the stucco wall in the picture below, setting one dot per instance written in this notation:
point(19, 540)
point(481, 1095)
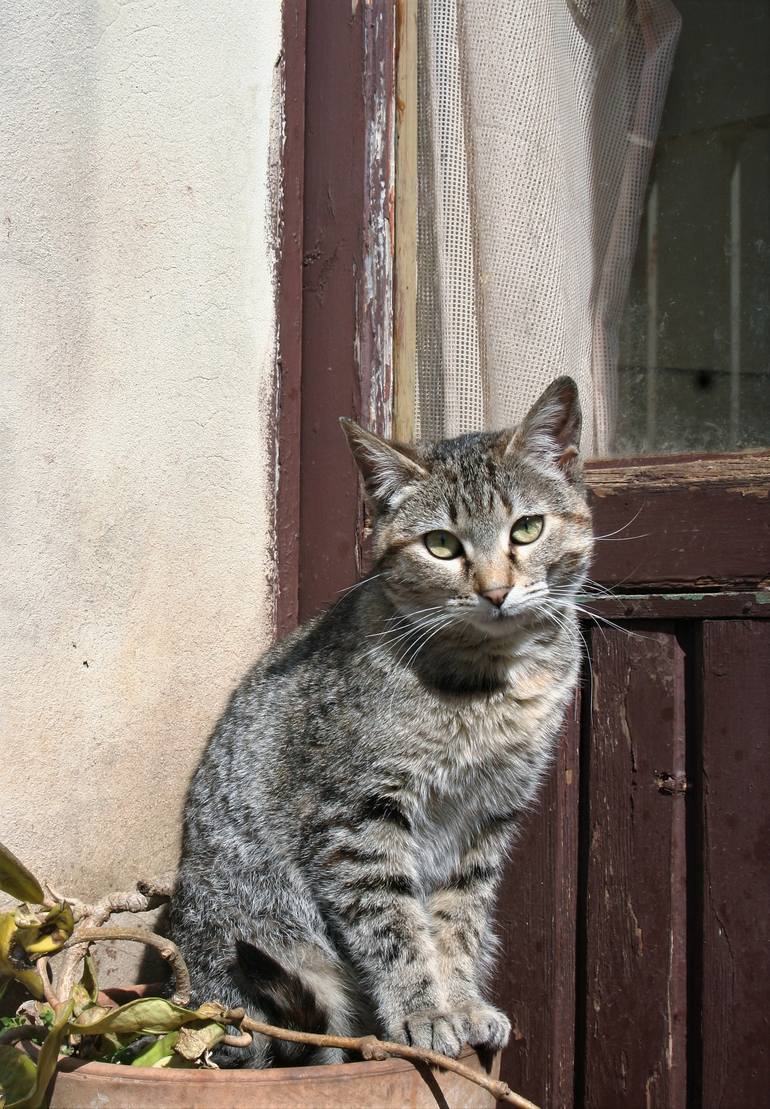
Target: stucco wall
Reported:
point(136, 338)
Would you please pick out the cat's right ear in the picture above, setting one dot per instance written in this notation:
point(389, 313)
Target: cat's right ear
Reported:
point(390, 470)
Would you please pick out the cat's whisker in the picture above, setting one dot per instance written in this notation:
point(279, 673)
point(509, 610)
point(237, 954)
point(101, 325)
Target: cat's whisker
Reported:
point(585, 612)
point(358, 584)
point(552, 614)
point(403, 618)
point(426, 629)
point(410, 661)
point(393, 635)
point(628, 524)
point(399, 635)
point(598, 587)
point(621, 538)
point(445, 624)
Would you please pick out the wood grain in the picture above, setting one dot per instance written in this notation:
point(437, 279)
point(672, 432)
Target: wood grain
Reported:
point(288, 385)
point(535, 982)
point(735, 675)
point(673, 525)
point(405, 292)
point(680, 606)
point(333, 252)
point(634, 985)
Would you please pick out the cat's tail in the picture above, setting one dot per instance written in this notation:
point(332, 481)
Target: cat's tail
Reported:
point(281, 994)
point(285, 1000)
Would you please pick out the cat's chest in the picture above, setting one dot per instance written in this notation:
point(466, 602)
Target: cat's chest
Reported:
point(481, 760)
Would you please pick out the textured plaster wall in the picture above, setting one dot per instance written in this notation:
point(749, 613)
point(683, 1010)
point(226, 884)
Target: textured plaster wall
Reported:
point(136, 346)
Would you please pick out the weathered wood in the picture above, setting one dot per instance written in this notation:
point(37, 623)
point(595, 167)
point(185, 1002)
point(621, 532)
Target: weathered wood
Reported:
point(375, 286)
point(535, 981)
point(333, 238)
point(405, 276)
point(672, 525)
point(634, 984)
point(288, 385)
point(680, 606)
point(735, 725)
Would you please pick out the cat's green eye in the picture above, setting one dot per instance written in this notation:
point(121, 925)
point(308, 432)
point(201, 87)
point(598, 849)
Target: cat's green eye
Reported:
point(527, 529)
point(442, 544)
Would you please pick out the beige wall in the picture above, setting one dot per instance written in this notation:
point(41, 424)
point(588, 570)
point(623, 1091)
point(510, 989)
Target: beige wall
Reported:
point(136, 345)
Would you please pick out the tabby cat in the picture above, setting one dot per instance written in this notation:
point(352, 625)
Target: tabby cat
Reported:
point(345, 829)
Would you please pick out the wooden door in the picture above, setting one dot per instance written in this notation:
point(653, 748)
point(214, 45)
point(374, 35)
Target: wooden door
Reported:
point(635, 909)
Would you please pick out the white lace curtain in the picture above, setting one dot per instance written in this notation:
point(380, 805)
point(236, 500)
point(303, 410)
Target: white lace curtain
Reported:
point(536, 125)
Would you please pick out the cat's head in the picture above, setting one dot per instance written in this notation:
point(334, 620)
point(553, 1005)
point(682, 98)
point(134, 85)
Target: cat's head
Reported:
point(485, 527)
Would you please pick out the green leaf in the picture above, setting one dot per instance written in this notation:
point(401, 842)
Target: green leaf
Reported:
point(197, 1038)
point(17, 1074)
point(47, 1060)
point(153, 1054)
point(17, 880)
point(146, 1014)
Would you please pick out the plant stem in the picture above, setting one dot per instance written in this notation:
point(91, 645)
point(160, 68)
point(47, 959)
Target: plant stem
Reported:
point(168, 950)
point(372, 1048)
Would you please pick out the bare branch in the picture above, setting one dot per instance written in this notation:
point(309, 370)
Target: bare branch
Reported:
point(168, 950)
point(41, 966)
point(372, 1048)
point(23, 1032)
point(149, 894)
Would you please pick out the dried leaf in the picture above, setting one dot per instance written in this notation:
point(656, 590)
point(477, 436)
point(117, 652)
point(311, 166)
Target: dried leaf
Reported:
point(17, 1074)
point(89, 980)
point(9, 966)
point(47, 1060)
point(47, 936)
point(17, 880)
point(195, 1039)
point(91, 1016)
point(146, 1014)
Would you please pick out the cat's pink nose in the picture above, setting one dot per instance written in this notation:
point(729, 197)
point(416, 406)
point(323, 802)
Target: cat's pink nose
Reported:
point(496, 596)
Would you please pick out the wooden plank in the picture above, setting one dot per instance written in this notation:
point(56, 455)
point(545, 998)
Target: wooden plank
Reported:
point(680, 606)
point(405, 291)
point(735, 675)
point(332, 257)
point(633, 1025)
point(288, 385)
point(672, 525)
point(375, 288)
point(535, 982)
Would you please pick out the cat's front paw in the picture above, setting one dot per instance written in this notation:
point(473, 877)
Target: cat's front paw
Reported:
point(486, 1026)
point(433, 1029)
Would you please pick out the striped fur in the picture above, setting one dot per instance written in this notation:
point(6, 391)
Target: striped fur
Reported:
point(346, 828)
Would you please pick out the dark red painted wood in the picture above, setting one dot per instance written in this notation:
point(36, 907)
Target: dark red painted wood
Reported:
point(681, 524)
point(681, 606)
point(635, 973)
point(334, 206)
point(535, 981)
point(289, 370)
point(735, 674)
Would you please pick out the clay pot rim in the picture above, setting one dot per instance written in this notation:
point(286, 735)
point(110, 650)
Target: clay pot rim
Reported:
point(328, 1073)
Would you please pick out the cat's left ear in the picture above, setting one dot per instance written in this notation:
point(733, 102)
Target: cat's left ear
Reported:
point(389, 470)
point(550, 431)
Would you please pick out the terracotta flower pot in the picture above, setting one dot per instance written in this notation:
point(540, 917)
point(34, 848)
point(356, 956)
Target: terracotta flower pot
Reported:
point(364, 1085)
point(395, 1082)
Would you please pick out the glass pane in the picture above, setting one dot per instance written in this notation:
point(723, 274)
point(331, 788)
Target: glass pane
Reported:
point(694, 370)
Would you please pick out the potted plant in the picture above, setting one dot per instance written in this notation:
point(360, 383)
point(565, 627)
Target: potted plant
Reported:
point(69, 1044)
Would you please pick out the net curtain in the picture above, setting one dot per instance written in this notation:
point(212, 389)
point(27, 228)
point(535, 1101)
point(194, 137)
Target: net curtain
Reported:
point(537, 122)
